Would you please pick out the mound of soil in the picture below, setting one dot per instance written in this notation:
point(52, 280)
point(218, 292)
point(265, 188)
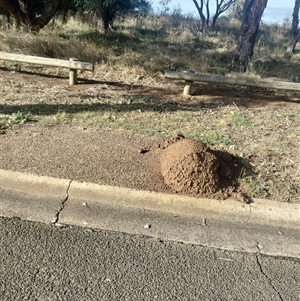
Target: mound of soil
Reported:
point(190, 167)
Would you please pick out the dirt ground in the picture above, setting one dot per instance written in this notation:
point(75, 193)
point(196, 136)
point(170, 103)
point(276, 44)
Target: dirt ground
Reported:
point(111, 155)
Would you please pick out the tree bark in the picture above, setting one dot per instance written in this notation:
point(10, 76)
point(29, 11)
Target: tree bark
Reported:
point(25, 12)
point(295, 31)
point(252, 13)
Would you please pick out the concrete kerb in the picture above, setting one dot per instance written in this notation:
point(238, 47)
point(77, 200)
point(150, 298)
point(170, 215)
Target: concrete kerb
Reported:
point(261, 211)
point(53, 191)
point(31, 197)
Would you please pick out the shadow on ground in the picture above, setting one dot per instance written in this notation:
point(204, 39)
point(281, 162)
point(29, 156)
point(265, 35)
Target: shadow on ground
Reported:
point(160, 99)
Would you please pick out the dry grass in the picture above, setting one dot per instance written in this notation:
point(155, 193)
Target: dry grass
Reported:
point(127, 90)
point(156, 44)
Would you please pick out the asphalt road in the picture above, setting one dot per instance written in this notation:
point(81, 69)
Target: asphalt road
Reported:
point(48, 262)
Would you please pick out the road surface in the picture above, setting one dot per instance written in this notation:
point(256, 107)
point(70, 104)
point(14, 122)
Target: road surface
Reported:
point(49, 262)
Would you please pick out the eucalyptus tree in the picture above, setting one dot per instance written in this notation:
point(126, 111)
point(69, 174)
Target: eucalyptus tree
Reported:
point(209, 20)
point(295, 31)
point(252, 13)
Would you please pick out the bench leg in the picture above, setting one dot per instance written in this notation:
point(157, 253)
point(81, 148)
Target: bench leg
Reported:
point(73, 77)
point(188, 87)
point(73, 74)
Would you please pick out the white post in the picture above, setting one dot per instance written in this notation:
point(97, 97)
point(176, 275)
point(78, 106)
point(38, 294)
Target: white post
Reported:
point(73, 74)
point(187, 88)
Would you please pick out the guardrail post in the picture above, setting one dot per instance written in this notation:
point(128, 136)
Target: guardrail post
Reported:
point(73, 74)
point(188, 87)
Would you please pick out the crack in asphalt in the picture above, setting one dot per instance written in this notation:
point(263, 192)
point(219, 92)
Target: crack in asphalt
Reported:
point(264, 273)
point(62, 206)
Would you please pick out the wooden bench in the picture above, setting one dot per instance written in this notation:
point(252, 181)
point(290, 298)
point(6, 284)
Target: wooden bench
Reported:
point(72, 64)
point(190, 77)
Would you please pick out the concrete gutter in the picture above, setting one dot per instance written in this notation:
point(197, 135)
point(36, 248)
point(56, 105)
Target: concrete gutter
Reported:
point(264, 226)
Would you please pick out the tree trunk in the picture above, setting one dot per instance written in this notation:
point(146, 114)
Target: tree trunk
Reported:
point(295, 31)
point(221, 7)
point(25, 12)
point(107, 13)
point(252, 13)
point(203, 9)
point(200, 8)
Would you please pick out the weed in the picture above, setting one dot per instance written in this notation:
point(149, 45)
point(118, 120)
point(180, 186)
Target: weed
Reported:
point(291, 114)
point(211, 138)
point(15, 118)
point(260, 187)
point(244, 162)
point(296, 133)
point(239, 119)
point(3, 121)
point(295, 188)
point(135, 99)
point(208, 138)
point(20, 118)
point(227, 140)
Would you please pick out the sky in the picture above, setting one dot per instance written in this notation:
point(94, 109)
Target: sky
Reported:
point(275, 12)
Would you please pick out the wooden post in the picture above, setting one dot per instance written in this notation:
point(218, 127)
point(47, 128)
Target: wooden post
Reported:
point(73, 74)
point(188, 87)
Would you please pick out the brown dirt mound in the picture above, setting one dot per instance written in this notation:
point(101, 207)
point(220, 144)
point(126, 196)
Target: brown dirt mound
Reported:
point(190, 167)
